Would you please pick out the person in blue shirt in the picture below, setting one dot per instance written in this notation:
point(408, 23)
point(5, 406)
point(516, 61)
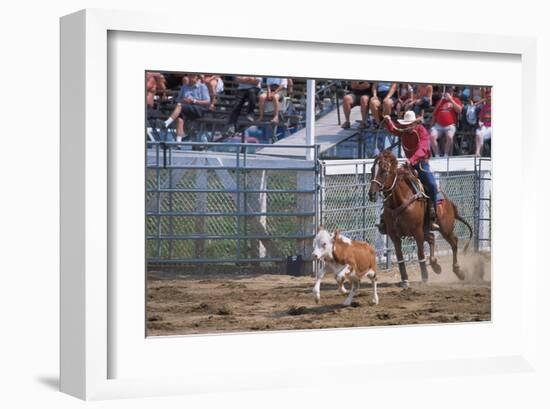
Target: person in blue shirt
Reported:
point(193, 101)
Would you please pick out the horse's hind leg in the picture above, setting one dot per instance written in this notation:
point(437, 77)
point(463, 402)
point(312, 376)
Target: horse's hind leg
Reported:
point(401, 262)
point(421, 257)
point(433, 259)
point(453, 241)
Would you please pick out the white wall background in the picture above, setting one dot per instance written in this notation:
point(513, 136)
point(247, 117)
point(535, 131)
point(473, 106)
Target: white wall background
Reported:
point(29, 248)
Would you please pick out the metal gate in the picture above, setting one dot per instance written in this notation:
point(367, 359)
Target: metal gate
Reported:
point(225, 207)
point(482, 219)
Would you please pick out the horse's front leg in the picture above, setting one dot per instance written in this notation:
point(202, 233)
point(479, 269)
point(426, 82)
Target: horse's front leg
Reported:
point(401, 262)
point(318, 277)
point(419, 238)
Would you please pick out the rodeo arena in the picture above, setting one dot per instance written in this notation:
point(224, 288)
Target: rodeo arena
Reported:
point(290, 203)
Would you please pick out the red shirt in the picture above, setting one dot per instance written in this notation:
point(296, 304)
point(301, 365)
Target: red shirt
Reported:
point(485, 115)
point(445, 114)
point(414, 139)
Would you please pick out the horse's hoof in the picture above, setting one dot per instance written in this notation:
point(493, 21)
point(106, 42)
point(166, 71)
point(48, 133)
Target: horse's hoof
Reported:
point(404, 285)
point(436, 268)
point(374, 300)
point(459, 273)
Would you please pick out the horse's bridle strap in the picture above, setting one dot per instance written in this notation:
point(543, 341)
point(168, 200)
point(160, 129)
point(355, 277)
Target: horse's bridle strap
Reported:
point(397, 211)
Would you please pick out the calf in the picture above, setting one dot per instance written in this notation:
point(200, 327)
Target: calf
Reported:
point(351, 258)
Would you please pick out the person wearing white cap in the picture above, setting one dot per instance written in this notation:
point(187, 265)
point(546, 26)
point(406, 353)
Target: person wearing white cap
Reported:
point(415, 141)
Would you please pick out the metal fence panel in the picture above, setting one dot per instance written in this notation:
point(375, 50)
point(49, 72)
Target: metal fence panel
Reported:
point(234, 207)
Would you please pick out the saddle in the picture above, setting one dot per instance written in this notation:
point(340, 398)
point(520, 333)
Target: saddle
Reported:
point(410, 175)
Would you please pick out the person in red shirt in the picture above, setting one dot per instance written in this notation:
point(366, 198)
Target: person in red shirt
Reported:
point(483, 133)
point(444, 121)
point(415, 141)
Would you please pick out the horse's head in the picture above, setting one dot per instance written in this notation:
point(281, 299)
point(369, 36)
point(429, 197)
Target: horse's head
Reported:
point(382, 173)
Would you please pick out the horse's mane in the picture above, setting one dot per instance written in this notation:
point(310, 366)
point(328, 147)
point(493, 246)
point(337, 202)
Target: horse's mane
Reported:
point(388, 156)
point(404, 172)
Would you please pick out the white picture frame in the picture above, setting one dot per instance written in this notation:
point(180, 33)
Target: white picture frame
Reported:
point(86, 224)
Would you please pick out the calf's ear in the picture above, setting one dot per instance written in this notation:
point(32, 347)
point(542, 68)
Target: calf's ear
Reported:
point(321, 227)
point(336, 233)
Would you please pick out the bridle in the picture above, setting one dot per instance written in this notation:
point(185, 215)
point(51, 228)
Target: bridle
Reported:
point(385, 191)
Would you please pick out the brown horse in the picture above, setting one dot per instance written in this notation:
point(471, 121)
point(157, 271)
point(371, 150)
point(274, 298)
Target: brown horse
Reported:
point(405, 214)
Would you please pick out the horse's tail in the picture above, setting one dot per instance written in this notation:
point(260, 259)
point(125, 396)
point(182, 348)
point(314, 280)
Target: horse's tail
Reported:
point(461, 219)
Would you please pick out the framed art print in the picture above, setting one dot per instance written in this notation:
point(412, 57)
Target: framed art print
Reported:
point(239, 205)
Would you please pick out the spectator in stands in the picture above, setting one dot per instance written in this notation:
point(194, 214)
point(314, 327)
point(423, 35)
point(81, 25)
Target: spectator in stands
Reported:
point(483, 133)
point(247, 92)
point(361, 91)
point(405, 99)
point(275, 92)
point(445, 120)
point(155, 83)
point(472, 98)
point(437, 94)
point(422, 99)
point(214, 83)
point(290, 86)
point(382, 100)
point(193, 101)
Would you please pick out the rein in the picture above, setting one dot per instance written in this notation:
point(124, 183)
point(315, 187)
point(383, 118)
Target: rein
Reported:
point(387, 193)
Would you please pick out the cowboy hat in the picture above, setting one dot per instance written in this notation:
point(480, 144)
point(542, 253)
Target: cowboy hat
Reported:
point(408, 118)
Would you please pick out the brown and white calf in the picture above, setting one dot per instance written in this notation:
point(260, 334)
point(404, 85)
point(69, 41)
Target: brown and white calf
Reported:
point(350, 260)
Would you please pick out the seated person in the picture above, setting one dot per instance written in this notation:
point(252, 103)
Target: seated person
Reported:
point(360, 94)
point(193, 101)
point(382, 100)
point(247, 91)
point(154, 83)
point(483, 133)
point(275, 92)
point(472, 99)
point(422, 99)
point(405, 99)
point(445, 120)
point(215, 86)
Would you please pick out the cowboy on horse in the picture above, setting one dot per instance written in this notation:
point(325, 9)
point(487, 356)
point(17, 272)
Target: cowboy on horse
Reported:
point(416, 144)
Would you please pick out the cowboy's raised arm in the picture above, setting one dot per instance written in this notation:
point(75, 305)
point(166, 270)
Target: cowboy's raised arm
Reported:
point(390, 126)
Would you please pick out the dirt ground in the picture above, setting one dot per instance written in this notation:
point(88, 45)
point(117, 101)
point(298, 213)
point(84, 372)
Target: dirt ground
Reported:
point(185, 304)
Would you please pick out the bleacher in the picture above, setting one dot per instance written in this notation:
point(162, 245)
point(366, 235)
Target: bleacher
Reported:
point(214, 123)
point(213, 126)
